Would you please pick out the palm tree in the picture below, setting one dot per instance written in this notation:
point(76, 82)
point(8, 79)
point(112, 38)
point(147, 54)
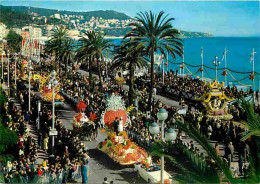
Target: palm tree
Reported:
point(197, 174)
point(157, 34)
point(67, 53)
point(130, 54)
point(84, 53)
point(253, 125)
point(55, 44)
point(98, 48)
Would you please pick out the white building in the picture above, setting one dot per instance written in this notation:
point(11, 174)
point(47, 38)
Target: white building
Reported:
point(3, 31)
point(48, 30)
point(36, 32)
point(57, 15)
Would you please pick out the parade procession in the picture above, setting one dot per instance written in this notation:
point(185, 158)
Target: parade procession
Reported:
point(134, 109)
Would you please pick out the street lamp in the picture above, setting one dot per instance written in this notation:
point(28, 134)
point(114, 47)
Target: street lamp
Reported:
point(216, 63)
point(8, 68)
point(2, 64)
point(170, 135)
point(15, 58)
point(162, 115)
point(154, 128)
point(54, 83)
point(29, 78)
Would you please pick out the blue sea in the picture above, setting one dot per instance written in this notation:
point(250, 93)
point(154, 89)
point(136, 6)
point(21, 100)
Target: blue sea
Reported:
point(238, 57)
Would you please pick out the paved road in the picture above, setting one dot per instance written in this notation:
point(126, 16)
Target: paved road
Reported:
point(100, 164)
point(164, 100)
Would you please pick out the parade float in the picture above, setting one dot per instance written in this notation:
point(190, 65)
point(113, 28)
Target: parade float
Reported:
point(81, 123)
point(23, 76)
point(119, 147)
point(80, 118)
point(215, 101)
point(46, 90)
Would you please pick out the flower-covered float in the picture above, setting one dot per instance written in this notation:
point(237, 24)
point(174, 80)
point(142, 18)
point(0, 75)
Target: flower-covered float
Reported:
point(46, 91)
point(81, 123)
point(215, 101)
point(119, 147)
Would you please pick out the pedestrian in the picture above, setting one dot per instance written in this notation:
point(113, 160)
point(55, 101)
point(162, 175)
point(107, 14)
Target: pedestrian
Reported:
point(217, 149)
point(45, 143)
point(231, 147)
point(40, 141)
point(228, 154)
point(84, 172)
point(105, 181)
point(240, 164)
point(115, 125)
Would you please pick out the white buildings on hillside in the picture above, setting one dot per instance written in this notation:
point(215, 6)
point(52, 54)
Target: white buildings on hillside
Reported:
point(34, 32)
point(3, 31)
point(57, 16)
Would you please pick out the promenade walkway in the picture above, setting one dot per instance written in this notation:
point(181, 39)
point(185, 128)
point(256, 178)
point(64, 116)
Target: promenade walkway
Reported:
point(41, 155)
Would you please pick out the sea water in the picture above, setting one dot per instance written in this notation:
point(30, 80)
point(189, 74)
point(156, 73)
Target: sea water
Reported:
point(238, 57)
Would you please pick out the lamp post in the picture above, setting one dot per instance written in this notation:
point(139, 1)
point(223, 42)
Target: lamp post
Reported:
point(54, 83)
point(29, 78)
point(2, 65)
point(162, 115)
point(8, 68)
point(15, 58)
point(216, 63)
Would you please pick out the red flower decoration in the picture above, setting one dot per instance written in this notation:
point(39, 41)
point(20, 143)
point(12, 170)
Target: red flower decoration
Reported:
point(224, 73)
point(252, 77)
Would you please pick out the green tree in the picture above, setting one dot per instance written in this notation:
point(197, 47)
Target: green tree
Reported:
point(96, 48)
point(14, 42)
point(55, 44)
point(67, 53)
point(196, 174)
point(157, 34)
point(253, 125)
point(84, 52)
point(132, 55)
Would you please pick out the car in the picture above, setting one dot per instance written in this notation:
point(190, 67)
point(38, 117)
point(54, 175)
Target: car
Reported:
point(152, 174)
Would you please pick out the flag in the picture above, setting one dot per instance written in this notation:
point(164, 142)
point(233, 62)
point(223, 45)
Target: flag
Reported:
point(252, 56)
point(224, 53)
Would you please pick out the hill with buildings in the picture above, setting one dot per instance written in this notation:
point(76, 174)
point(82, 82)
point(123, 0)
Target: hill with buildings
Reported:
point(107, 14)
point(40, 22)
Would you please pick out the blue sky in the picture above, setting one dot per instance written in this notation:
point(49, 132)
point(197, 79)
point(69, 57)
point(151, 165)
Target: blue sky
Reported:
point(221, 18)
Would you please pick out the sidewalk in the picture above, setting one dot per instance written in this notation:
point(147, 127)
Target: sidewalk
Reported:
point(41, 155)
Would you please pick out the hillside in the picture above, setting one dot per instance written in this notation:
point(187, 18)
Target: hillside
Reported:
point(108, 14)
point(20, 16)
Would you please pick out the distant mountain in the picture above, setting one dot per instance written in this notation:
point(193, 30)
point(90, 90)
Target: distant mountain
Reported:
point(19, 16)
point(107, 14)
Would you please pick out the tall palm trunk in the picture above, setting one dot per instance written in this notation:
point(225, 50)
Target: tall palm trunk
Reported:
point(131, 85)
point(152, 79)
point(90, 73)
point(66, 67)
point(99, 74)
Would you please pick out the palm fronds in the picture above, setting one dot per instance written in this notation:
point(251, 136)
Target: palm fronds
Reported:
point(192, 168)
point(253, 120)
point(203, 142)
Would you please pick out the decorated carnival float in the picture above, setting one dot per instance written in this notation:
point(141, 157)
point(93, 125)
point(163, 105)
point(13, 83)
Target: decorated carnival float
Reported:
point(215, 101)
point(81, 121)
point(23, 75)
point(45, 89)
point(118, 146)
